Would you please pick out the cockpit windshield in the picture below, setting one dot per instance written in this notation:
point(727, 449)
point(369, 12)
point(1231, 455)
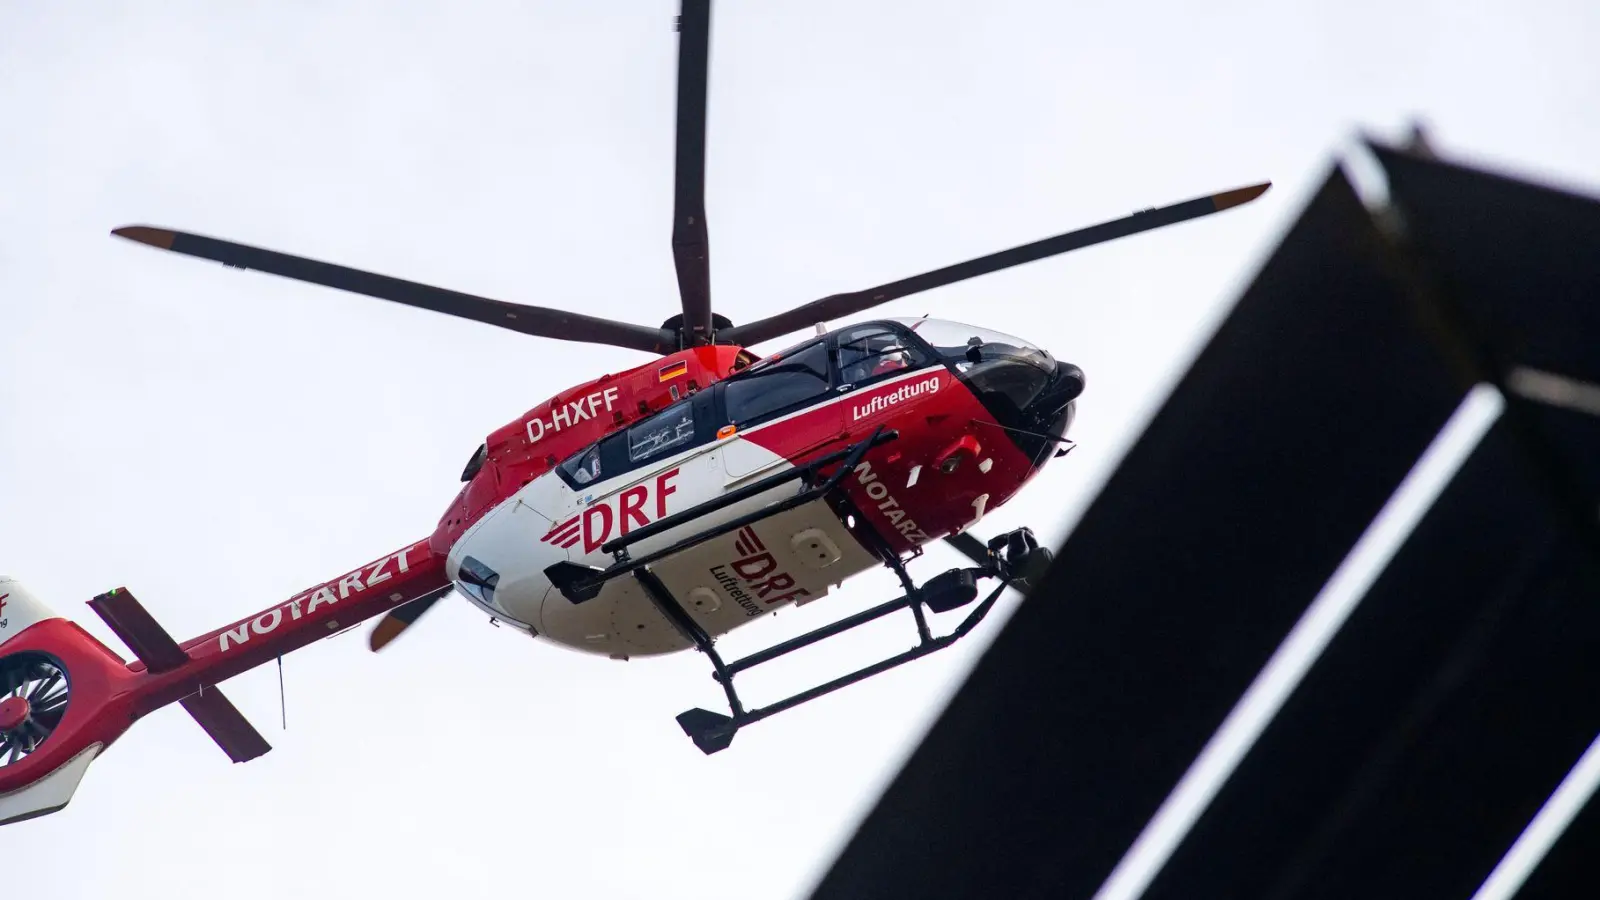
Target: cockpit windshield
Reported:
point(956, 341)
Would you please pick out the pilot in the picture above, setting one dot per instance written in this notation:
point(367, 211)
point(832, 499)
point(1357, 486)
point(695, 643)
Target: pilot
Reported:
point(589, 469)
point(891, 362)
point(876, 367)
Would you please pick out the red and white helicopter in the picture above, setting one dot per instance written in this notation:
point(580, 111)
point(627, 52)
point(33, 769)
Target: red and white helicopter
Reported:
point(643, 512)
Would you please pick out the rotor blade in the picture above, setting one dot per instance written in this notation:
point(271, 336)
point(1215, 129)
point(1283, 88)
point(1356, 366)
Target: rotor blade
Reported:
point(534, 320)
point(690, 241)
point(970, 547)
point(840, 305)
point(399, 619)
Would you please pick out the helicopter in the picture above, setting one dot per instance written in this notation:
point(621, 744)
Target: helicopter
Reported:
point(644, 512)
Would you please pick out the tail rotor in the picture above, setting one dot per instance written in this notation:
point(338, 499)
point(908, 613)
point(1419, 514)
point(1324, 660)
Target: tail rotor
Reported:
point(35, 701)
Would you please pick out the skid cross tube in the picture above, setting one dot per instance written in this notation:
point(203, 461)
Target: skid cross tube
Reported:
point(926, 645)
point(712, 732)
point(585, 585)
point(890, 558)
point(922, 649)
point(811, 637)
point(689, 628)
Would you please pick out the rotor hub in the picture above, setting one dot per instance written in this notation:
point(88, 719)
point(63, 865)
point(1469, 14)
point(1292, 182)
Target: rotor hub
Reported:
point(675, 325)
point(13, 712)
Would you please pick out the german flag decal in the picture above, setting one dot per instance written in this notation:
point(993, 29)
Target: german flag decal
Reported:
point(669, 372)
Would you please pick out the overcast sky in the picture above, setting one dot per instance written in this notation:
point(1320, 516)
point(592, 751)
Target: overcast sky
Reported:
point(217, 440)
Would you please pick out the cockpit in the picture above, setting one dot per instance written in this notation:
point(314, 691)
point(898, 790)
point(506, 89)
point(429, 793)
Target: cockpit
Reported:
point(953, 340)
point(988, 360)
point(1026, 389)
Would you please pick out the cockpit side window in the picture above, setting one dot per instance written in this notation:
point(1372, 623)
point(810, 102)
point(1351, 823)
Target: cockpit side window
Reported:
point(670, 429)
point(955, 341)
point(682, 426)
point(583, 467)
point(870, 352)
point(776, 385)
point(475, 464)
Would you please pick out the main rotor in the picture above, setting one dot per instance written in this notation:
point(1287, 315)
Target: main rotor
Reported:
point(697, 324)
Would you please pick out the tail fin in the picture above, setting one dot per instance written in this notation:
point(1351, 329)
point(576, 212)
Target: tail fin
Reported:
point(160, 653)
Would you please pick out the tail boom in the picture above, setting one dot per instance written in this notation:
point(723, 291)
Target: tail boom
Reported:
point(107, 695)
point(321, 611)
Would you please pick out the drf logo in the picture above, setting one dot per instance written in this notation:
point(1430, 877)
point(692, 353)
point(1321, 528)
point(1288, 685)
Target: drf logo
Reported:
point(625, 511)
point(562, 416)
point(758, 570)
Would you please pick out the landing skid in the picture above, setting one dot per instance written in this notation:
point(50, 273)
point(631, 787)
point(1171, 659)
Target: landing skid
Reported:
point(1013, 558)
point(712, 731)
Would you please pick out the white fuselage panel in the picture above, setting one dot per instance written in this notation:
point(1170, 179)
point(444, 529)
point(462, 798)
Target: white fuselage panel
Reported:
point(790, 558)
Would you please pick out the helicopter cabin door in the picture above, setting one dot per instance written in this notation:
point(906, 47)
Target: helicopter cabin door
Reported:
point(779, 408)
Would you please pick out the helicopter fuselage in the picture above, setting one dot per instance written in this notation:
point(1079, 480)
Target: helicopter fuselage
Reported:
point(972, 421)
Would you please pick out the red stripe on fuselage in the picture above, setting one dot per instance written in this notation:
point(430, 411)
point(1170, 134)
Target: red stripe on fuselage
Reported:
point(931, 410)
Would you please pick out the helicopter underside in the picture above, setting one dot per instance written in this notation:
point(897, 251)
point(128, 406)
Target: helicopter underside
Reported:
point(699, 571)
point(789, 558)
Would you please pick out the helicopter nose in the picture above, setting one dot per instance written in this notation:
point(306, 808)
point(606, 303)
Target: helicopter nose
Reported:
point(499, 562)
point(1069, 381)
point(1042, 412)
point(1050, 413)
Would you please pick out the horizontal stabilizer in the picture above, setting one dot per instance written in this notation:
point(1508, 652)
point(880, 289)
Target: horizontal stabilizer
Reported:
point(139, 630)
point(226, 725)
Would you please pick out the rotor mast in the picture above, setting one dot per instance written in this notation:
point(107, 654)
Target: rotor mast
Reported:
point(691, 251)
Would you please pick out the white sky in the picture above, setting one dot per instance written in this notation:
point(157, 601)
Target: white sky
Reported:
point(216, 440)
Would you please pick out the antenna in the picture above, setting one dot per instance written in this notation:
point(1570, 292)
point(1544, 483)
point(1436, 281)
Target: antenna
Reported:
point(283, 708)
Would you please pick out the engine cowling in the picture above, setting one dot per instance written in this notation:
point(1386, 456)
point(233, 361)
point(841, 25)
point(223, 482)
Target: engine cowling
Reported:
point(19, 609)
